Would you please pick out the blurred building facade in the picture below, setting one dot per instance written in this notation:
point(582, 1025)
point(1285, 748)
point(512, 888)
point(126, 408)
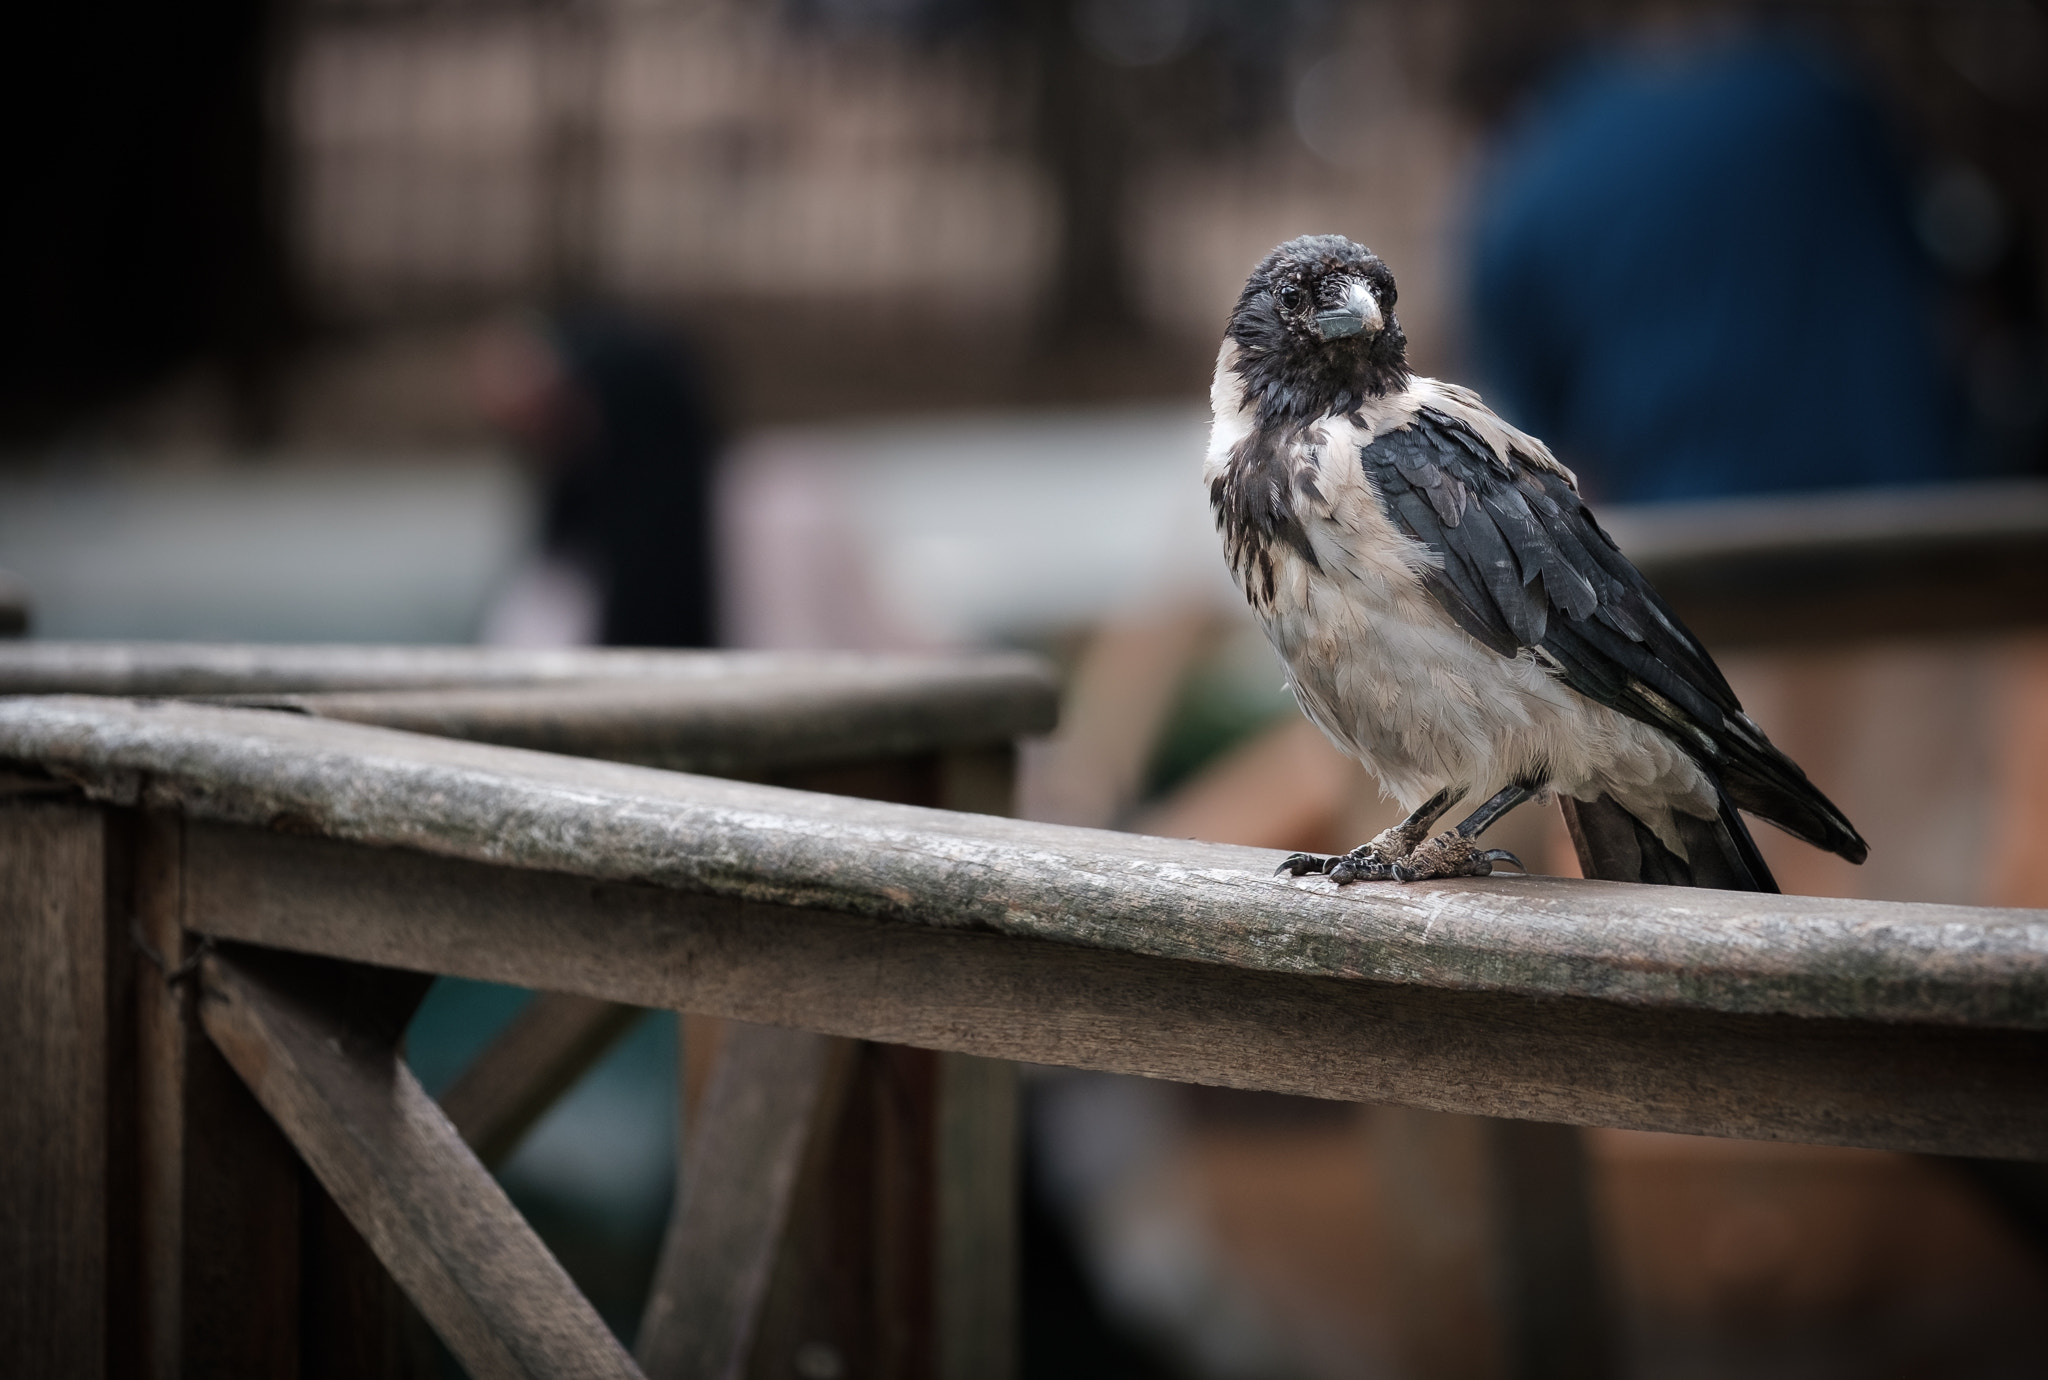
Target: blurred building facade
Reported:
point(858, 206)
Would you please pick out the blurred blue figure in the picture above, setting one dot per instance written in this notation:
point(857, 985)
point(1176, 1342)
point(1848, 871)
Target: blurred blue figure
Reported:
point(1695, 274)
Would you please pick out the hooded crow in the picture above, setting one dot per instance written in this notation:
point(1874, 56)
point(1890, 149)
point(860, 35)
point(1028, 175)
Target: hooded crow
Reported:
point(1451, 615)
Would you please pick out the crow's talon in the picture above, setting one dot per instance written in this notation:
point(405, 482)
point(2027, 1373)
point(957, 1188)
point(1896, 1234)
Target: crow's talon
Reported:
point(1364, 863)
point(1301, 865)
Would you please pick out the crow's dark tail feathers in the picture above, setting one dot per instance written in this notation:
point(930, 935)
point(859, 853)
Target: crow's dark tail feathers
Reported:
point(1756, 777)
point(1615, 846)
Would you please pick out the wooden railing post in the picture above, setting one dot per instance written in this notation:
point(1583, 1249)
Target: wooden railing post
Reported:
point(55, 1046)
point(219, 1241)
point(978, 1264)
point(895, 1252)
point(1491, 1255)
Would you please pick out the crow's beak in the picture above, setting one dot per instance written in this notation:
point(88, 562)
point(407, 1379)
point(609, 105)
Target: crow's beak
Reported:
point(1360, 313)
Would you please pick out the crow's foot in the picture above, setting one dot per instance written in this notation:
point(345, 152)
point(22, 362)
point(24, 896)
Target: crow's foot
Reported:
point(1363, 863)
point(1452, 855)
point(1302, 865)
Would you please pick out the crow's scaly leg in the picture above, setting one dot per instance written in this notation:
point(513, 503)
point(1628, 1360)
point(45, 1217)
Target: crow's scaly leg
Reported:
point(1456, 853)
point(1374, 860)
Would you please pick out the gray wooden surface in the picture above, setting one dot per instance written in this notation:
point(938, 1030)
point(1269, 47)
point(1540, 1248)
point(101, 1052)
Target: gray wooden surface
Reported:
point(244, 668)
point(299, 1033)
point(1903, 1085)
point(218, 1244)
point(53, 1114)
point(1794, 569)
point(979, 1149)
point(931, 729)
point(918, 869)
point(725, 713)
point(771, 1107)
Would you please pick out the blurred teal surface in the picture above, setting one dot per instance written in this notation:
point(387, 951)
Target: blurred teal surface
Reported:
point(596, 1175)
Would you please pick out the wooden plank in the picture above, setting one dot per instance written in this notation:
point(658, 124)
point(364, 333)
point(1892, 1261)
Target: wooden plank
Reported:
point(218, 1247)
point(1550, 1279)
point(1885, 1084)
point(854, 1285)
point(898, 1122)
point(53, 1120)
point(978, 1143)
point(977, 1273)
point(1648, 947)
point(862, 703)
point(122, 969)
point(726, 725)
point(160, 1102)
point(1441, 1240)
point(550, 1044)
point(354, 1320)
point(246, 1265)
point(318, 1048)
point(1850, 566)
point(770, 1108)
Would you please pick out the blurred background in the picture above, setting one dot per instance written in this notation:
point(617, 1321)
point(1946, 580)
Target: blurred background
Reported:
point(889, 323)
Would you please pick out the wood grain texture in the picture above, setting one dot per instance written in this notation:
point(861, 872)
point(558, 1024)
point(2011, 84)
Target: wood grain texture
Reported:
point(554, 1040)
point(979, 1199)
point(770, 1110)
point(853, 1290)
point(1665, 949)
point(728, 724)
point(1876, 1083)
point(1441, 1244)
point(1550, 1285)
point(53, 1116)
point(218, 1246)
point(318, 1048)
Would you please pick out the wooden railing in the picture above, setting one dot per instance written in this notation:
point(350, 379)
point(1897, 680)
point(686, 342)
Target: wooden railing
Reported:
point(306, 874)
point(153, 1218)
point(223, 908)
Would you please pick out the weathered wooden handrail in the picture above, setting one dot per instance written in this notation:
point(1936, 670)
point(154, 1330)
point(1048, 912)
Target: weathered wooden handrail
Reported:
point(182, 1176)
point(696, 711)
point(1912, 1026)
point(243, 668)
point(383, 853)
point(1794, 569)
point(1657, 947)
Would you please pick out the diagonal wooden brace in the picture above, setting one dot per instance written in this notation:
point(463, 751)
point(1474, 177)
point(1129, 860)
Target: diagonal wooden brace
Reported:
point(393, 1162)
point(554, 1040)
point(766, 1120)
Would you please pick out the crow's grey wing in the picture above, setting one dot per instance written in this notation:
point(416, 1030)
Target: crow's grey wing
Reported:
point(1526, 567)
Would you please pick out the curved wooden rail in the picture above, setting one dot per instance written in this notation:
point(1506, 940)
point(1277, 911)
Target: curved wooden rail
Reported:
point(1854, 1022)
point(295, 859)
point(160, 1219)
point(1653, 948)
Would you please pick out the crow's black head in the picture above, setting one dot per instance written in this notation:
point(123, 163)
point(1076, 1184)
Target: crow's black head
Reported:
point(1315, 331)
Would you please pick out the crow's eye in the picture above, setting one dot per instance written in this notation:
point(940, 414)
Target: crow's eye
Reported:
point(1290, 297)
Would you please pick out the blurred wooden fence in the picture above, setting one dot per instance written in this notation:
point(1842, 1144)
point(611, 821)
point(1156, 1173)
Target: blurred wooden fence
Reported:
point(222, 909)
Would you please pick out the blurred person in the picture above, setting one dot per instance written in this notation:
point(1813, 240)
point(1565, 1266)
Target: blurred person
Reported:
point(1695, 273)
point(613, 411)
